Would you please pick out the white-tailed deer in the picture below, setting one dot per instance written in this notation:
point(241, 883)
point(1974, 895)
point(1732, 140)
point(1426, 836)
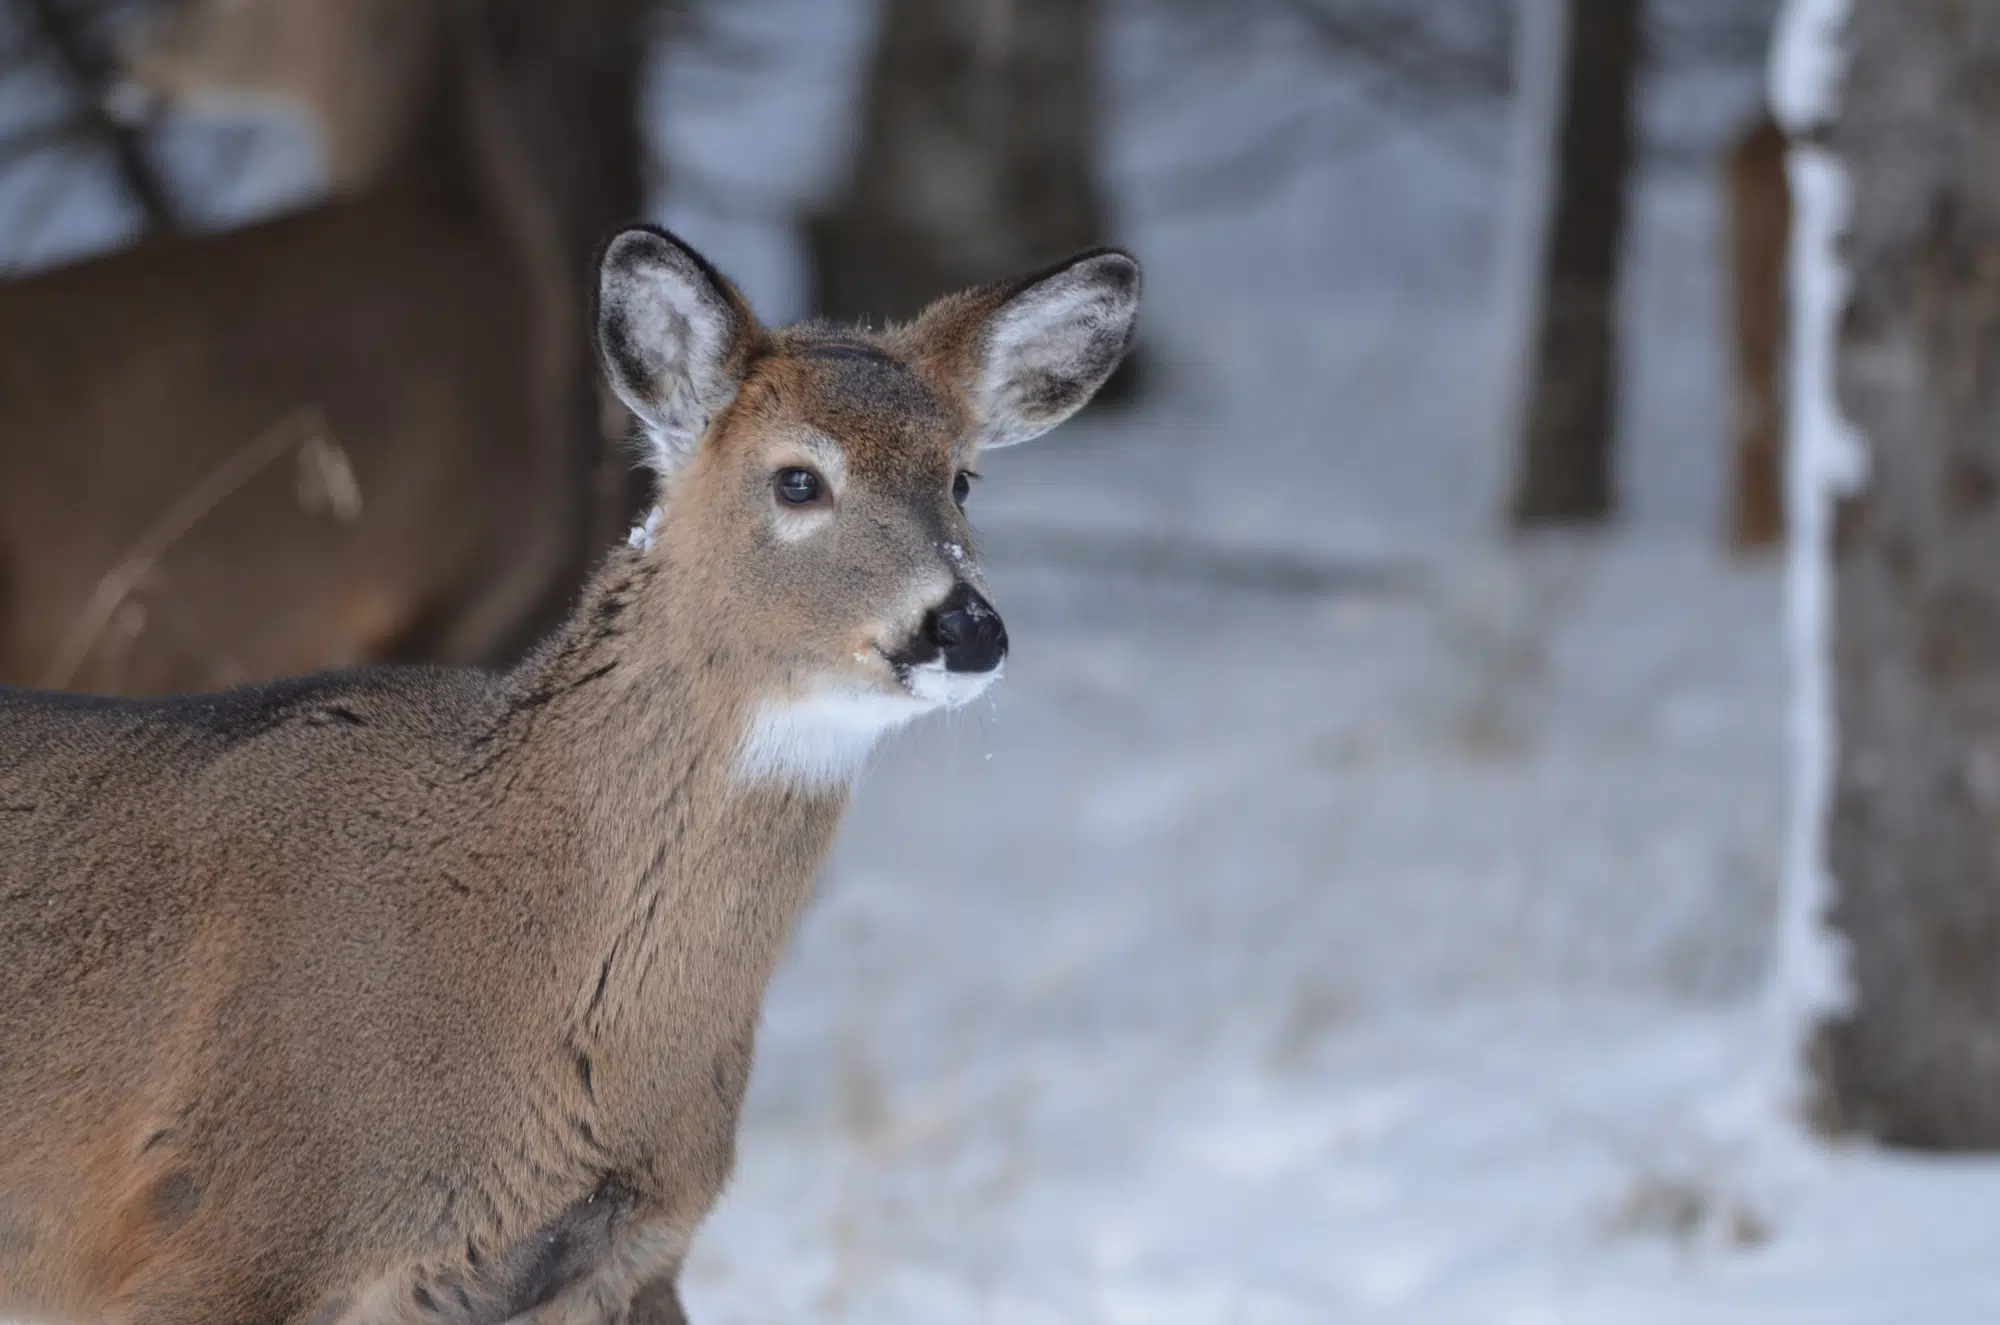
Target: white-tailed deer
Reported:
point(427, 995)
point(428, 330)
point(1760, 221)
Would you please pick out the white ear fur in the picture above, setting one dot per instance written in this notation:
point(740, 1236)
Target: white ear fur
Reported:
point(1053, 342)
point(668, 330)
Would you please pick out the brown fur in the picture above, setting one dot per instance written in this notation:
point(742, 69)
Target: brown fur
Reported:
point(1760, 232)
point(428, 995)
point(431, 319)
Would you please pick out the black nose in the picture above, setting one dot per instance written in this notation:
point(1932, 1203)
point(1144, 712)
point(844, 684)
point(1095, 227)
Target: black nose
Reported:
point(969, 634)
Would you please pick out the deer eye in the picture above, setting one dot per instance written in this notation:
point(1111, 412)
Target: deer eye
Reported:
point(796, 487)
point(961, 487)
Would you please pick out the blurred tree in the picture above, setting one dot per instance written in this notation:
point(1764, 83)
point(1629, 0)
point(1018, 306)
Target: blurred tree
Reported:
point(1914, 845)
point(571, 76)
point(1564, 474)
point(978, 155)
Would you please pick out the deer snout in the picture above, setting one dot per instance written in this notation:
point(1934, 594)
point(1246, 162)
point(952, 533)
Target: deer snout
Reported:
point(968, 633)
point(955, 652)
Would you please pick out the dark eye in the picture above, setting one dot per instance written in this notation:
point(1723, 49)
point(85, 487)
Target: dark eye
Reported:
point(796, 487)
point(961, 488)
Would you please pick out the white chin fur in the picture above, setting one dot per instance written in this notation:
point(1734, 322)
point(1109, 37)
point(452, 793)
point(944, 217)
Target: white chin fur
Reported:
point(822, 739)
point(932, 684)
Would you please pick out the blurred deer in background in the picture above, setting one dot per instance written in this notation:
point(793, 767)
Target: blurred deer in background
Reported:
point(1760, 221)
point(367, 431)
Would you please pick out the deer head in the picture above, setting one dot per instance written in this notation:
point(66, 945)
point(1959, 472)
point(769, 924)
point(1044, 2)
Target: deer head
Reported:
point(814, 478)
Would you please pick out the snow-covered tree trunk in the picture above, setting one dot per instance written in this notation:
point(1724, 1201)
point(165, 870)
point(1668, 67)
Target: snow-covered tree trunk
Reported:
point(1913, 826)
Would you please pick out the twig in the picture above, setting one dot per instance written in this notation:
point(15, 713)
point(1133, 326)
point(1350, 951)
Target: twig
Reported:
point(1249, 174)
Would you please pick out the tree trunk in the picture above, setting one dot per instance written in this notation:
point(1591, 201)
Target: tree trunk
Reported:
point(569, 78)
point(1760, 222)
point(978, 158)
point(1914, 846)
point(1565, 465)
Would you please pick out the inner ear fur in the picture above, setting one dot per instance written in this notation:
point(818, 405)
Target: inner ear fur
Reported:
point(1026, 354)
point(675, 338)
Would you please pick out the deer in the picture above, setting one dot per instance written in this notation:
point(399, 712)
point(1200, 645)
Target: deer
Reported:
point(1760, 212)
point(174, 417)
point(428, 994)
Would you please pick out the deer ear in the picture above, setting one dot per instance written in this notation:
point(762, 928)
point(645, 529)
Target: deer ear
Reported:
point(1032, 352)
point(674, 336)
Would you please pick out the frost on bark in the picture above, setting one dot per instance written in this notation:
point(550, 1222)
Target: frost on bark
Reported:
point(1914, 841)
point(977, 159)
point(1564, 473)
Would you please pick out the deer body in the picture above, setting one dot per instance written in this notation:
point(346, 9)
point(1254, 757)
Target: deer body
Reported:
point(579, 1069)
point(428, 994)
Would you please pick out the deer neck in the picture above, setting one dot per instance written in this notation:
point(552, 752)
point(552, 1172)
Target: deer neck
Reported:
point(686, 878)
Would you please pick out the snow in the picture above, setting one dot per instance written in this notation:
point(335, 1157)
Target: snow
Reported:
point(1345, 915)
point(647, 532)
point(1341, 912)
point(1808, 980)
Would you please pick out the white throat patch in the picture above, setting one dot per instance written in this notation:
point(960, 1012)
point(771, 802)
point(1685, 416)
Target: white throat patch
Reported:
point(823, 739)
point(820, 740)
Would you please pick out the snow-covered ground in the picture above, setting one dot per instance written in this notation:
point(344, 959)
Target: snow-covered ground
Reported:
point(1378, 941)
point(1341, 912)
point(1359, 917)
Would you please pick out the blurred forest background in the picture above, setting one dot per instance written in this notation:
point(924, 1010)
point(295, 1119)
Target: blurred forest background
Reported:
point(455, 160)
point(1382, 834)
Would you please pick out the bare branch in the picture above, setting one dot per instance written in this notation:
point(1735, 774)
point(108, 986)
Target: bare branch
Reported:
point(1408, 48)
point(87, 76)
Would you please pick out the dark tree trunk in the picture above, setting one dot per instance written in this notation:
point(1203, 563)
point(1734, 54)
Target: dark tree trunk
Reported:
point(978, 156)
point(569, 169)
point(1565, 464)
point(1760, 224)
point(1915, 839)
point(571, 74)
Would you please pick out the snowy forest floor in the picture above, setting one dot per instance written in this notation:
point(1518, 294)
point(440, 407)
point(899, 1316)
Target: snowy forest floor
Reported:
point(1342, 912)
point(1338, 914)
point(1317, 938)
